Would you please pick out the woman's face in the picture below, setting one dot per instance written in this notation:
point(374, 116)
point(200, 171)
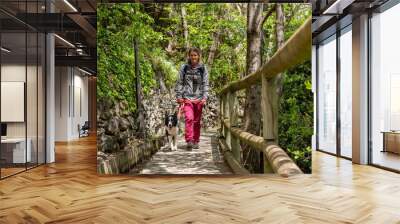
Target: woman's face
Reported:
point(194, 57)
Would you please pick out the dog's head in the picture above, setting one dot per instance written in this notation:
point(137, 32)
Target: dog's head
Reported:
point(171, 120)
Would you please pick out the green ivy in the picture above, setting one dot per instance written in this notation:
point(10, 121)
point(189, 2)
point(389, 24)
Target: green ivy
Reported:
point(296, 115)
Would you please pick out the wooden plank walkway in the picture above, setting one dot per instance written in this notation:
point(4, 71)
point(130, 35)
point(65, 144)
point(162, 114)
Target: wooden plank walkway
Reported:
point(205, 160)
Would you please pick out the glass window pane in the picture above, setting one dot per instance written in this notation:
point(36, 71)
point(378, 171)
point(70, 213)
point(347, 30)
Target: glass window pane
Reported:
point(327, 96)
point(23, 87)
point(346, 93)
point(13, 86)
point(385, 88)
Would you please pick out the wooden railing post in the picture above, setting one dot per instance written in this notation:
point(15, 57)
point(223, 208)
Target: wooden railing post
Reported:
point(233, 119)
point(222, 115)
point(266, 111)
point(227, 114)
point(268, 119)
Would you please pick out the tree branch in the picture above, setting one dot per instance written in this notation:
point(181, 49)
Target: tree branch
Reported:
point(269, 13)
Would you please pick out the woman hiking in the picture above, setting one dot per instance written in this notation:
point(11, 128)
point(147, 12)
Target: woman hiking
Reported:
point(191, 94)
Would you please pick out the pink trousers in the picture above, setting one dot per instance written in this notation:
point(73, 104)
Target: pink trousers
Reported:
point(192, 112)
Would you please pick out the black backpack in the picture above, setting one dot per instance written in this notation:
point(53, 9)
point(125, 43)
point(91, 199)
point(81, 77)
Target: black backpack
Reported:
point(202, 69)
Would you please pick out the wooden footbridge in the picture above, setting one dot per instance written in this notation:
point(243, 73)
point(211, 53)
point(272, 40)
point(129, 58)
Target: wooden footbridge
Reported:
point(207, 159)
point(296, 50)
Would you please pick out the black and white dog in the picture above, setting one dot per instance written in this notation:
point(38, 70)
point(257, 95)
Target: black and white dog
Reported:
point(171, 130)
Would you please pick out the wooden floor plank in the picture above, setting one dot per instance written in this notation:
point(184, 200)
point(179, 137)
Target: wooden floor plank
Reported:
point(70, 191)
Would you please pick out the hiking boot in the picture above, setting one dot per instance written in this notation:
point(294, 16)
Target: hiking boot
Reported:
point(195, 145)
point(189, 146)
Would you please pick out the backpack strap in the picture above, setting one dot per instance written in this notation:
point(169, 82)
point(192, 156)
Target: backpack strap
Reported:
point(202, 71)
point(184, 71)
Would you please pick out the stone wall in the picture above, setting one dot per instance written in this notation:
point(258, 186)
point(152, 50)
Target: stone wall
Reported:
point(123, 161)
point(119, 149)
point(115, 126)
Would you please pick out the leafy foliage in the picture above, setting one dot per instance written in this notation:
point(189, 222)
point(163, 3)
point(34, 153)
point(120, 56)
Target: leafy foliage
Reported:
point(296, 115)
point(157, 25)
point(118, 25)
point(159, 30)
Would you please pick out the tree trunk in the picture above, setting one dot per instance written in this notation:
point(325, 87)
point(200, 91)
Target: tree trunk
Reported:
point(159, 75)
point(170, 49)
point(161, 82)
point(138, 90)
point(252, 108)
point(280, 20)
point(216, 40)
point(213, 49)
point(274, 91)
point(185, 27)
point(172, 43)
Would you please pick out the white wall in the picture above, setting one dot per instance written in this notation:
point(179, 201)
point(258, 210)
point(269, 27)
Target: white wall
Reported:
point(62, 81)
point(80, 88)
point(70, 83)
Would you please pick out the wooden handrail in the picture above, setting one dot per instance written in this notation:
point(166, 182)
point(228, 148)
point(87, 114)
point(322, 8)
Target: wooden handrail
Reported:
point(233, 163)
point(280, 162)
point(296, 50)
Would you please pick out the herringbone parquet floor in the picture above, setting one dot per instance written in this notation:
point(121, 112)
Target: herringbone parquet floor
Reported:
point(70, 191)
